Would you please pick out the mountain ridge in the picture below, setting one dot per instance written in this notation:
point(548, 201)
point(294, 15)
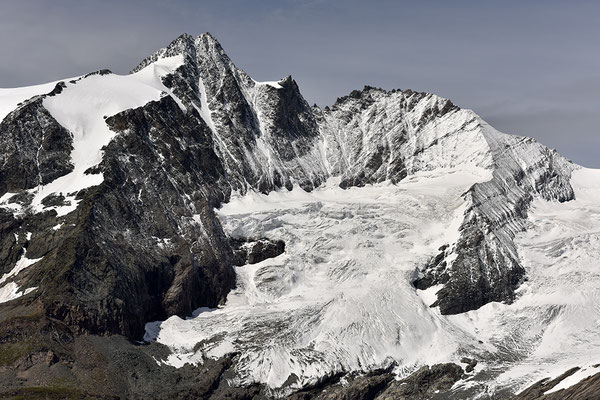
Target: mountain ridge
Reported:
point(137, 239)
point(267, 138)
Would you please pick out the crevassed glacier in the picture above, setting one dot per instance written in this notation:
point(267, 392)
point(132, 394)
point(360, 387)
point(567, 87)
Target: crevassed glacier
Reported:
point(340, 298)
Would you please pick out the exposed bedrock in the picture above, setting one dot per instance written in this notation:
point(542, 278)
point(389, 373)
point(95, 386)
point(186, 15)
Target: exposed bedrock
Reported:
point(252, 251)
point(143, 245)
point(35, 148)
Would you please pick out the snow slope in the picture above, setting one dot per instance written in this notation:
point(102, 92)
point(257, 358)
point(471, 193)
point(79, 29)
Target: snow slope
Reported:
point(10, 98)
point(561, 251)
point(554, 324)
point(340, 297)
point(81, 108)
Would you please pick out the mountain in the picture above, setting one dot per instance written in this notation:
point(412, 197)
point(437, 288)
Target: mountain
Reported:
point(283, 248)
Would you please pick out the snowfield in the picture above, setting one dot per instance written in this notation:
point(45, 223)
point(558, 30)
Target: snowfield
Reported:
point(340, 298)
point(82, 108)
point(11, 97)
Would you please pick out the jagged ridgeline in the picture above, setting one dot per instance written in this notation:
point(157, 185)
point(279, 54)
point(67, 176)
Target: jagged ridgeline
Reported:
point(109, 184)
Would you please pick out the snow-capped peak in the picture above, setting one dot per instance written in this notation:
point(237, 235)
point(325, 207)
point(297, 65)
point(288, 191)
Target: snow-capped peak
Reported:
point(399, 210)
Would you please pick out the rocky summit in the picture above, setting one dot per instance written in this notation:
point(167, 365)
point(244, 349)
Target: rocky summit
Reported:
point(185, 231)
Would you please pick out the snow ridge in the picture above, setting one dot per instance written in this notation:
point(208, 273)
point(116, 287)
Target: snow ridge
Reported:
point(82, 107)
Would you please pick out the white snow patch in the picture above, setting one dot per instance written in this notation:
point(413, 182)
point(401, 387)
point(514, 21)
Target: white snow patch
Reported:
point(429, 295)
point(11, 291)
point(82, 107)
point(14, 207)
point(574, 379)
point(10, 98)
point(204, 111)
point(23, 263)
point(274, 84)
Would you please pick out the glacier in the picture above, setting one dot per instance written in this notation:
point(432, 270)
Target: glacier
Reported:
point(340, 298)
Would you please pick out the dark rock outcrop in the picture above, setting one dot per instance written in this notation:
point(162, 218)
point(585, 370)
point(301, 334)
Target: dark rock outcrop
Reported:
point(248, 251)
point(471, 363)
point(36, 149)
point(586, 389)
point(426, 383)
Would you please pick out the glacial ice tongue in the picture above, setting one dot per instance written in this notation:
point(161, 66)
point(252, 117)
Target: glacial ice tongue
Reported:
point(340, 297)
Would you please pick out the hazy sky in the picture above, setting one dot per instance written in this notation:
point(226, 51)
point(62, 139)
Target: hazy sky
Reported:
point(527, 67)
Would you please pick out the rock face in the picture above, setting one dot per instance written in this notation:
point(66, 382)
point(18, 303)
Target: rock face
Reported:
point(248, 251)
point(426, 383)
point(34, 148)
point(265, 133)
point(142, 242)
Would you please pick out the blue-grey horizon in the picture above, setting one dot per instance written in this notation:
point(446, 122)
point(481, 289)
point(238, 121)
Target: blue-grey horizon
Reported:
point(529, 68)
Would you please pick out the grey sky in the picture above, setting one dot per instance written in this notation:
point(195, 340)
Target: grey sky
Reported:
point(527, 67)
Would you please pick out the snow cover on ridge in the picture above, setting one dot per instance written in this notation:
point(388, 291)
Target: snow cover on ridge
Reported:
point(10, 98)
point(274, 84)
point(82, 107)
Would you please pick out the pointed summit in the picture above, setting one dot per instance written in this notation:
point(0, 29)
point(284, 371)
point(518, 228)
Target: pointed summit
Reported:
point(210, 50)
point(183, 44)
point(197, 50)
point(209, 38)
point(207, 42)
